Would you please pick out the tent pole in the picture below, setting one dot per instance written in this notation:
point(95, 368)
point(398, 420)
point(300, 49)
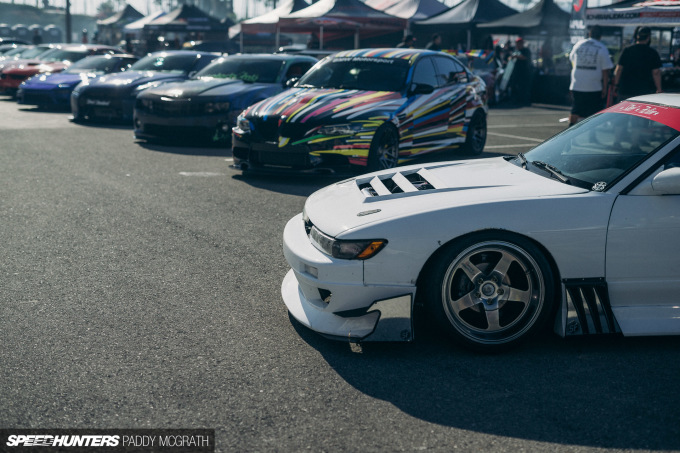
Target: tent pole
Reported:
point(356, 38)
point(278, 37)
point(241, 40)
point(321, 37)
point(469, 40)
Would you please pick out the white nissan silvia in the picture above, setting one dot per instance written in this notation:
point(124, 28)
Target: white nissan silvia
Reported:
point(582, 231)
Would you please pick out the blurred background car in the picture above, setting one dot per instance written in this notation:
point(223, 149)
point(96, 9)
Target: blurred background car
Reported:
point(365, 109)
point(55, 60)
point(205, 108)
point(489, 68)
point(111, 97)
point(54, 90)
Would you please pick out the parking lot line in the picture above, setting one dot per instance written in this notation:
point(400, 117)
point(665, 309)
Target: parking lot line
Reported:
point(538, 140)
point(501, 126)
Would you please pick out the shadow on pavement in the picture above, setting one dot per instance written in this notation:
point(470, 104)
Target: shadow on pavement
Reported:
point(606, 392)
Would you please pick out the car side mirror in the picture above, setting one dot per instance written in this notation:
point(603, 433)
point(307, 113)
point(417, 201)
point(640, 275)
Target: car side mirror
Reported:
point(667, 182)
point(192, 74)
point(290, 82)
point(420, 88)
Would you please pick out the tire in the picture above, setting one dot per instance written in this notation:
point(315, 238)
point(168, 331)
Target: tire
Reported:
point(490, 291)
point(384, 151)
point(475, 138)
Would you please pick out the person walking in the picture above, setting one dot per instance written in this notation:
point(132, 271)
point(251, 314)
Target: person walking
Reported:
point(590, 66)
point(409, 42)
point(639, 68)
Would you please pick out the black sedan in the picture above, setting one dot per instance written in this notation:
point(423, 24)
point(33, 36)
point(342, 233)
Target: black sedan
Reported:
point(112, 97)
point(205, 107)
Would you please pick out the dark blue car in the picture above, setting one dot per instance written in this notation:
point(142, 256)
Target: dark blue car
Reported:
point(54, 90)
point(112, 97)
point(205, 108)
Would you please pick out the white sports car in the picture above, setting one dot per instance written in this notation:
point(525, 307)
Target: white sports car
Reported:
point(583, 230)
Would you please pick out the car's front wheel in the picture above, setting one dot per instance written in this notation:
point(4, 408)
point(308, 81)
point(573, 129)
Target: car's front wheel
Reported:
point(490, 291)
point(475, 138)
point(384, 151)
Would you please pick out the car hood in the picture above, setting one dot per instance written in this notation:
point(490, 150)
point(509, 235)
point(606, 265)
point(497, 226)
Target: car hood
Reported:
point(414, 190)
point(132, 78)
point(52, 80)
point(212, 89)
point(304, 104)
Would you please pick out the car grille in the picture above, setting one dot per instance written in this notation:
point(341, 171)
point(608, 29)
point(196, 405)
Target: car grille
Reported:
point(37, 98)
point(269, 130)
point(400, 182)
point(171, 108)
point(286, 159)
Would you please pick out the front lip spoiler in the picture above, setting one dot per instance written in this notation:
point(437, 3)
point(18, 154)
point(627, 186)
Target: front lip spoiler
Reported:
point(388, 319)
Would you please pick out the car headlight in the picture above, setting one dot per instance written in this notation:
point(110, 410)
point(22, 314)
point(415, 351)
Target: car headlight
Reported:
point(243, 125)
point(344, 249)
point(217, 107)
point(340, 129)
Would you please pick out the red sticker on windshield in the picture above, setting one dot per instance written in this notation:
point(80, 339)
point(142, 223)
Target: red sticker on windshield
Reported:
point(668, 116)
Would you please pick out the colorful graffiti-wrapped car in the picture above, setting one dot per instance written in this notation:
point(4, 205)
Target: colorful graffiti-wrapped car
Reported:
point(365, 109)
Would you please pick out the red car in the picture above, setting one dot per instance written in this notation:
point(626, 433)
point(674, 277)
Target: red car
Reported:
point(55, 60)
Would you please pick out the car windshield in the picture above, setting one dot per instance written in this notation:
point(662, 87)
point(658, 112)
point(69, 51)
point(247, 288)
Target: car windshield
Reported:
point(35, 51)
point(597, 152)
point(247, 69)
point(64, 55)
point(481, 64)
point(96, 65)
point(359, 73)
point(170, 63)
point(13, 51)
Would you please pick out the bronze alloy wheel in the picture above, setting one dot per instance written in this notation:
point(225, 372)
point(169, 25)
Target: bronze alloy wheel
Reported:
point(491, 292)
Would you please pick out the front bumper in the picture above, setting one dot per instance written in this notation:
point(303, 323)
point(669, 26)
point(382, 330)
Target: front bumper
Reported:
point(53, 97)
point(98, 107)
point(329, 295)
point(203, 128)
point(268, 156)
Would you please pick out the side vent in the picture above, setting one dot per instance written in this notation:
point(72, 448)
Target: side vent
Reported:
point(412, 181)
point(588, 310)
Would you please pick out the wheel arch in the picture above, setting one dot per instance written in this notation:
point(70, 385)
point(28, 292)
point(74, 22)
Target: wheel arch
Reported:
point(505, 233)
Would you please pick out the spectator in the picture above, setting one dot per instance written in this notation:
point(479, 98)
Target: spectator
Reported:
point(37, 39)
point(409, 42)
point(520, 79)
point(84, 38)
point(435, 42)
point(639, 69)
point(590, 66)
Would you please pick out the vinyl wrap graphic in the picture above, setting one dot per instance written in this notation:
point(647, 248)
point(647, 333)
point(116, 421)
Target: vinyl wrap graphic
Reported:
point(426, 123)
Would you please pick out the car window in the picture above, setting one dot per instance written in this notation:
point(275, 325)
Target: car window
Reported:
point(298, 69)
point(358, 73)
point(167, 62)
point(251, 70)
point(598, 151)
point(65, 55)
point(425, 73)
point(450, 71)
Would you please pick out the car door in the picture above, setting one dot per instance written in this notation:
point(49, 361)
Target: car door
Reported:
point(427, 115)
point(643, 258)
point(453, 79)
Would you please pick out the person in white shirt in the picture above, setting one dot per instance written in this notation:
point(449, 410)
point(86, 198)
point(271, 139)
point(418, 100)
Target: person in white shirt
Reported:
point(591, 64)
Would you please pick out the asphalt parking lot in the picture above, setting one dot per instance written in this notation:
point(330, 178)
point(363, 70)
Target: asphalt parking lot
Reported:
point(140, 289)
